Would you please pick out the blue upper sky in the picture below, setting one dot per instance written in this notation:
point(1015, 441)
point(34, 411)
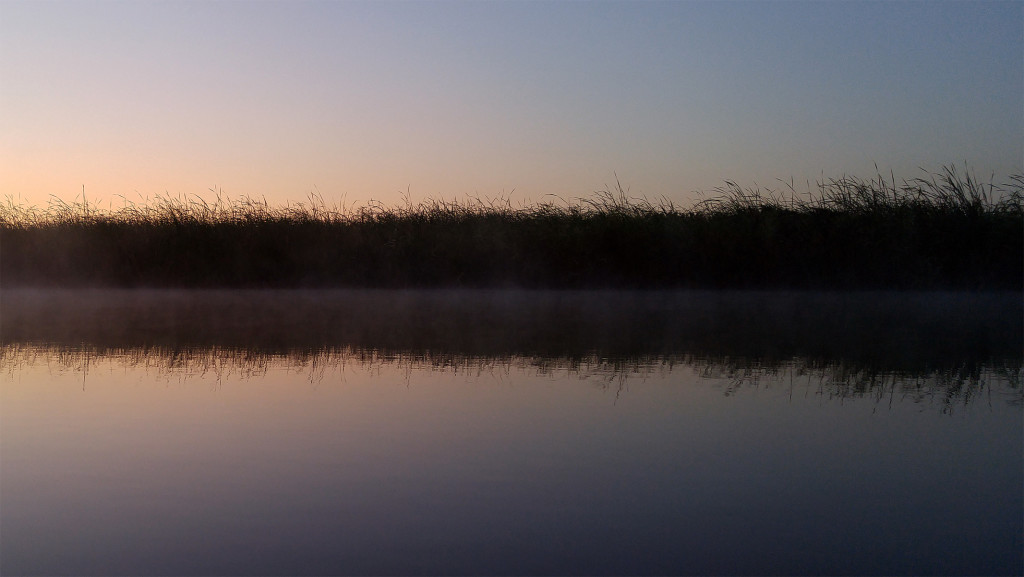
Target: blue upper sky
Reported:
point(361, 100)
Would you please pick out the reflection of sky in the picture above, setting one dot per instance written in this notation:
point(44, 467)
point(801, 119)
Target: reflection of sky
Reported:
point(403, 471)
point(366, 99)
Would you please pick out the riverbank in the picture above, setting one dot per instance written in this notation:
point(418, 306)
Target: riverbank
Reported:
point(946, 231)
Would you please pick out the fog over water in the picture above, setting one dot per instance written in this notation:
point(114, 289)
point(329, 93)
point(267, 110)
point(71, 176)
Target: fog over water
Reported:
point(889, 329)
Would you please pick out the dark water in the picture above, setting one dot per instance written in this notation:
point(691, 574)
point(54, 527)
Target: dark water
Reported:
point(502, 432)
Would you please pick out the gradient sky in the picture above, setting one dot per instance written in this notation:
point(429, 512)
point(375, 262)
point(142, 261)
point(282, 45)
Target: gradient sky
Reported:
point(364, 100)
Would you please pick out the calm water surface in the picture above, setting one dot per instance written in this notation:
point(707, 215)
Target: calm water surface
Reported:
point(344, 432)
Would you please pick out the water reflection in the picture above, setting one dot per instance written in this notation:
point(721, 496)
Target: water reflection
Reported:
point(945, 389)
point(503, 432)
point(954, 347)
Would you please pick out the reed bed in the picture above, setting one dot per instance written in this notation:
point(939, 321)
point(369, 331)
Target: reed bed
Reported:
point(945, 230)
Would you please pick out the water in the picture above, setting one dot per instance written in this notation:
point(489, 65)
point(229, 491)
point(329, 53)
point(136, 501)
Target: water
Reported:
point(503, 432)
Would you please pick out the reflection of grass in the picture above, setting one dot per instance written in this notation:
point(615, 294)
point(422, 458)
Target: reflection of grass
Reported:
point(830, 381)
point(947, 230)
point(948, 388)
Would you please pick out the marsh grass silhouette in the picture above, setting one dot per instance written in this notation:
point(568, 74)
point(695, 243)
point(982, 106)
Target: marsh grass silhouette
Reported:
point(946, 230)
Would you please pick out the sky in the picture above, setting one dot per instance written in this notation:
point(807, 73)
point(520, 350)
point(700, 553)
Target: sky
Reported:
point(360, 101)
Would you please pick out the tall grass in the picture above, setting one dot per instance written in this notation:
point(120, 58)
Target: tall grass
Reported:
point(943, 230)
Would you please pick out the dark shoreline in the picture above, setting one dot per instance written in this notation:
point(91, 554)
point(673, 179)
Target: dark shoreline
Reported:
point(947, 233)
